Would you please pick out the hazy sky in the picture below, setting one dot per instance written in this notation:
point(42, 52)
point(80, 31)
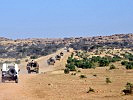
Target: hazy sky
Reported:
point(65, 18)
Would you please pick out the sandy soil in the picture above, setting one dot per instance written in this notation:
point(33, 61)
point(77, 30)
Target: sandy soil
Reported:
point(53, 84)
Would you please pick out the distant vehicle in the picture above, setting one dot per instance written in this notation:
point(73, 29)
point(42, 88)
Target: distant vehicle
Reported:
point(33, 66)
point(10, 72)
point(51, 61)
point(58, 57)
point(61, 53)
point(68, 50)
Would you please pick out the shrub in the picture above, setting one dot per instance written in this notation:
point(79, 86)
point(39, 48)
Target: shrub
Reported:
point(90, 90)
point(83, 76)
point(95, 58)
point(108, 80)
point(128, 89)
point(66, 71)
point(128, 56)
point(104, 62)
point(86, 65)
point(116, 58)
point(34, 57)
point(124, 62)
point(71, 67)
point(129, 65)
point(112, 67)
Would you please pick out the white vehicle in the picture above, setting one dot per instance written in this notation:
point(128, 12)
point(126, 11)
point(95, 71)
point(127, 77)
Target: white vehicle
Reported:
point(10, 72)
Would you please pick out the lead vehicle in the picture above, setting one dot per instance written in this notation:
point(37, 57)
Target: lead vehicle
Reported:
point(10, 72)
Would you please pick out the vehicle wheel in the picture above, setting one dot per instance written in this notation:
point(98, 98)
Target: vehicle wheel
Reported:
point(16, 81)
point(29, 71)
point(2, 80)
point(37, 71)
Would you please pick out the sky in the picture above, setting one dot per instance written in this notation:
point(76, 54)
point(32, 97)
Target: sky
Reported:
point(64, 18)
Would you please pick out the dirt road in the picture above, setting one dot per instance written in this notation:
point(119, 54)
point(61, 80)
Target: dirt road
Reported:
point(22, 90)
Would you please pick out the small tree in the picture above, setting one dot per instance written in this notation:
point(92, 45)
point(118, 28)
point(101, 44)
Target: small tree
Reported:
point(112, 67)
point(66, 71)
point(108, 80)
point(128, 89)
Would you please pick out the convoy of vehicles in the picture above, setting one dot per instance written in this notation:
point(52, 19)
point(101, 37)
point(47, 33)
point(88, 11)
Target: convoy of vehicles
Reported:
point(10, 71)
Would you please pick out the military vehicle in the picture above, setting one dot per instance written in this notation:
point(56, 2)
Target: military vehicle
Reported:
point(61, 53)
point(58, 57)
point(32, 66)
point(51, 61)
point(10, 72)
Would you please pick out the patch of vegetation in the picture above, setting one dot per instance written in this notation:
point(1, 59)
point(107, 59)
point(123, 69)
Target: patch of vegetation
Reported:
point(83, 76)
point(116, 58)
point(108, 80)
point(129, 65)
point(66, 71)
point(112, 67)
point(124, 62)
point(33, 57)
point(84, 63)
point(104, 62)
point(128, 89)
point(71, 67)
point(128, 56)
point(90, 90)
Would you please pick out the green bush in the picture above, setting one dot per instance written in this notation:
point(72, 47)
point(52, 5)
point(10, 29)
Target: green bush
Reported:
point(116, 58)
point(71, 67)
point(129, 65)
point(124, 62)
point(33, 57)
point(104, 62)
point(66, 71)
point(95, 58)
point(128, 56)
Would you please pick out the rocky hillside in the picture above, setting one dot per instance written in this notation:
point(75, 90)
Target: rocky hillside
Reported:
point(113, 41)
point(36, 47)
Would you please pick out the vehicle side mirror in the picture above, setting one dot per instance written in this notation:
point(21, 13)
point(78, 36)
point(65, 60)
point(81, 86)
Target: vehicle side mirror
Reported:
point(1, 69)
point(19, 70)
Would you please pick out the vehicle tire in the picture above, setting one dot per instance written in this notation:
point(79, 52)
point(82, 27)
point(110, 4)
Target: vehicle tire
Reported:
point(16, 81)
point(12, 72)
point(2, 80)
point(29, 71)
point(37, 71)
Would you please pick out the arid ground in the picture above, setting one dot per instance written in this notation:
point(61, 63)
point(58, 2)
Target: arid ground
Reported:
point(53, 84)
